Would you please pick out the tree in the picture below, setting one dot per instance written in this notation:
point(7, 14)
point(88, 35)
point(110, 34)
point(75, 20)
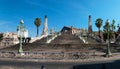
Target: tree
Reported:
point(37, 23)
point(106, 26)
point(106, 29)
point(1, 36)
point(113, 27)
point(98, 24)
point(118, 26)
point(119, 30)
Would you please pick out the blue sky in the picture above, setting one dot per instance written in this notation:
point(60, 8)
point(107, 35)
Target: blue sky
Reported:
point(60, 13)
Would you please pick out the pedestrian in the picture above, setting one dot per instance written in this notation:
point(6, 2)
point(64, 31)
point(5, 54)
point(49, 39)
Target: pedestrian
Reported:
point(103, 66)
point(42, 67)
point(74, 67)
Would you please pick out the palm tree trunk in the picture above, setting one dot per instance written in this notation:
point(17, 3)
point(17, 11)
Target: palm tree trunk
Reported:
point(99, 33)
point(37, 32)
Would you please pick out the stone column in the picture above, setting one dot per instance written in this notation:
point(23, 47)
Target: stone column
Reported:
point(89, 25)
point(45, 30)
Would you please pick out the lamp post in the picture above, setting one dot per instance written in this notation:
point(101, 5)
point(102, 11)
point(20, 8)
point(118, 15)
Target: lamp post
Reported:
point(108, 53)
point(21, 28)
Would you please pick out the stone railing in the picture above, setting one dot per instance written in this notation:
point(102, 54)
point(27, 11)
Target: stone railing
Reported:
point(49, 55)
point(37, 38)
point(53, 37)
point(83, 40)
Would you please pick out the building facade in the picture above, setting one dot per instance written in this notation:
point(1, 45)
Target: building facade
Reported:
point(9, 39)
point(72, 30)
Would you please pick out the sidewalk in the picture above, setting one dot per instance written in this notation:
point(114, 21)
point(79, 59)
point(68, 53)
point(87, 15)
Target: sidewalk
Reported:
point(93, 60)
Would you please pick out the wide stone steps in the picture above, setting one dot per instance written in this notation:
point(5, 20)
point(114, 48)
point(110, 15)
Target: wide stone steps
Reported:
point(67, 39)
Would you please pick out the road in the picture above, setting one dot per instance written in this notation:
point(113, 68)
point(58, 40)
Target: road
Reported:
point(10, 64)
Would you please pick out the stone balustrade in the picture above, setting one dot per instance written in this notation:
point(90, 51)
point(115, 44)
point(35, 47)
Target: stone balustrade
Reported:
point(48, 41)
point(53, 37)
point(37, 38)
point(83, 40)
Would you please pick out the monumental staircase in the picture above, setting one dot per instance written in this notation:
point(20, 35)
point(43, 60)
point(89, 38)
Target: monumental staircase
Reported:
point(66, 38)
point(63, 42)
point(64, 46)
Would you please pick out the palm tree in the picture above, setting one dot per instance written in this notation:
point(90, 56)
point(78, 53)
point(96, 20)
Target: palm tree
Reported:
point(98, 24)
point(37, 23)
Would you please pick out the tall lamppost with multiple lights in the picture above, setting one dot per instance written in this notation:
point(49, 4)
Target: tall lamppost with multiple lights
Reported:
point(21, 29)
point(108, 53)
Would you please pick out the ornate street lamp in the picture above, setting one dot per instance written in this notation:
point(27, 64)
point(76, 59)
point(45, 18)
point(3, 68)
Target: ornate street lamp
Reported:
point(108, 53)
point(21, 29)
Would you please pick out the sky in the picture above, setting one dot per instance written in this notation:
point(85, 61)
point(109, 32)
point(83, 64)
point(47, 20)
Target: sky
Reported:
point(59, 12)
